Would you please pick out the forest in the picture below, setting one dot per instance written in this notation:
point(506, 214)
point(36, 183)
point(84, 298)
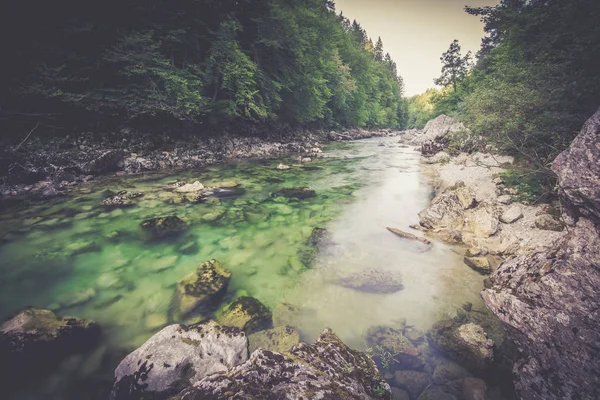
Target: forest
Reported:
point(214, 62)
point(535, 82)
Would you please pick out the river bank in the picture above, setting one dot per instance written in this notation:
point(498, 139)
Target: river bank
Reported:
point(51, 167)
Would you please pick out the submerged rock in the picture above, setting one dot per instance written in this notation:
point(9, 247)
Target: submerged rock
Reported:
point(247, 314)
point(300, 193)
point(175, 358)
point(190, 187)
point(162, 227)
point(278, 339)
point(389, 341)
point(327, 369)
point(479, 264)
point(78, 298)
point(202, 289)
point(35, 340)
point(414, 382)
point(117, 200)
point(372, 281)
point(467, 344)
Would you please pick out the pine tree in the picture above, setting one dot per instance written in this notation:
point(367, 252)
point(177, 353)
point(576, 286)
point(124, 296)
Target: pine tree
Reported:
point(379, 50)
point(455, 66)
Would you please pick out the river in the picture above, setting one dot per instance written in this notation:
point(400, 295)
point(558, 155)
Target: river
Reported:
point(74, 256)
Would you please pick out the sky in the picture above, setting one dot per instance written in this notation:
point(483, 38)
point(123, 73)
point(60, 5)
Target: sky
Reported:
point(417, 32)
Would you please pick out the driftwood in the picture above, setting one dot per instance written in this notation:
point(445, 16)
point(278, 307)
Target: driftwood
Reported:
point(409, 236)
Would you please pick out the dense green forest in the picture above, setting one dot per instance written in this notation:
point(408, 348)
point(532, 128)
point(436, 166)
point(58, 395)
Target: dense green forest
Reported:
point(535, 82)
point(212, 62)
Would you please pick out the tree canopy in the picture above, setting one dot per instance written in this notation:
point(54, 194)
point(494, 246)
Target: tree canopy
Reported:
point(292, 62)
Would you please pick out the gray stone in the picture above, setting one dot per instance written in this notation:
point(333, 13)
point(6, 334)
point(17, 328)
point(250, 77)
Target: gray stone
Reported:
point(327, 369)
point(483, 221)
point(505, 199)
point(479, 264)
point(176, 357)
point(247, 314)
point(549, 223)
point(467, 344)
point(578, 170)
point(414, 382)
point(513, 214)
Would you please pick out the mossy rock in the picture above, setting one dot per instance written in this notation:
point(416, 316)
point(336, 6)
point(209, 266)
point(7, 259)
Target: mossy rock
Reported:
point(202, 289)
point(299, 193)
point(247, 314)
point(278, 339)
point(162, 227)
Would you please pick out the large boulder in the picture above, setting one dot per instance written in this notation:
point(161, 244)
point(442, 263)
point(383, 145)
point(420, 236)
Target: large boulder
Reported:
point(548, 300)
point(175, 358)
point(447, 209)
point(467, 344)
point(106, 162)
point(202, 289)
point(482, 221)
point(247, 314)
point(35, 340)
point(578, 170)
point(327, 369)
point(435, 136)
point(549, 303)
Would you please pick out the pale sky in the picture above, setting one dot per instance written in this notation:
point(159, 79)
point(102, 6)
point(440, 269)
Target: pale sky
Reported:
point(417, 32)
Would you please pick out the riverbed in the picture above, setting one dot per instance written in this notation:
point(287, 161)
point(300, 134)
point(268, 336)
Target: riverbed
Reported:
point(84, 260)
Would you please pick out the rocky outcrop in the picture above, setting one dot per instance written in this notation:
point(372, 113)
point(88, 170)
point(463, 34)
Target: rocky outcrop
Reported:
point(35, 340)
point(578, 170)
point(202, 289)
point(548, 300)
point(447, 209)
point(175, 358)
point(435, 136)
point(327, 369)
point(467, 344)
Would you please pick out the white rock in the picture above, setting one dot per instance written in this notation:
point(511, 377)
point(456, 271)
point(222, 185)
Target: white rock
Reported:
point(283, 166)
point(511, 215)
point(505, 199)
point(178, 356)
point(190, 187)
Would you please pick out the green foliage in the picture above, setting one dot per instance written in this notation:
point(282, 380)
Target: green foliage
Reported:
point(532, 185)
point(421, 108)
point(292, 62)
point(535, 82)
point(455, 67)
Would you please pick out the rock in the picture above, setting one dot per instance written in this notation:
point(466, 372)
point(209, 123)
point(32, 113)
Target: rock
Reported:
point(578, 170)
point(161, 264)
point(548, 304)
point(483, 221)
point(446, 371)
point(402, 353)
point(117, 200)
point(452, 236)
point(279, 339)
point(213, 216)
point(202, 289)
point(479, 264)
point(498, 181)
point(399, 394)
point(190, 188)
point(306, 159)
point(409, 236)
point(82, 247)
point(189, 248)
point(109, 280)
point(467, 344)
point(104, 163)
point(286, 314)
point(175, 358)
point(504, 199)
point(446, 210)
point(474, 389)
point(414, 382)
point(511, 215)
point(372, 280)
point(155, 321)
point(300, 193)
point(162, 227)
point(549, 223)
point(247, 314)
point(78, 298)
point(283, 166)
point(438, 158)
point(36, 340)
point(327, 369)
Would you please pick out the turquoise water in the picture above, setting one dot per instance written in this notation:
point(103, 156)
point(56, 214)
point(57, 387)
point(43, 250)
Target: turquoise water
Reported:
point(81, 259)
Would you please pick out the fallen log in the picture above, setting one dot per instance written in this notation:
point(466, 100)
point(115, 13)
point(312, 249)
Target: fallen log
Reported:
point(409, 236)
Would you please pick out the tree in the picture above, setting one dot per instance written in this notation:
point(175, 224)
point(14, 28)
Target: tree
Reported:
point(379, 50)
point(455, 66)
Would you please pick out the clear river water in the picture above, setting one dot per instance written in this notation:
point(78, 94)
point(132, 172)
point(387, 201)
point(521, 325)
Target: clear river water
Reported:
point(83, 260)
